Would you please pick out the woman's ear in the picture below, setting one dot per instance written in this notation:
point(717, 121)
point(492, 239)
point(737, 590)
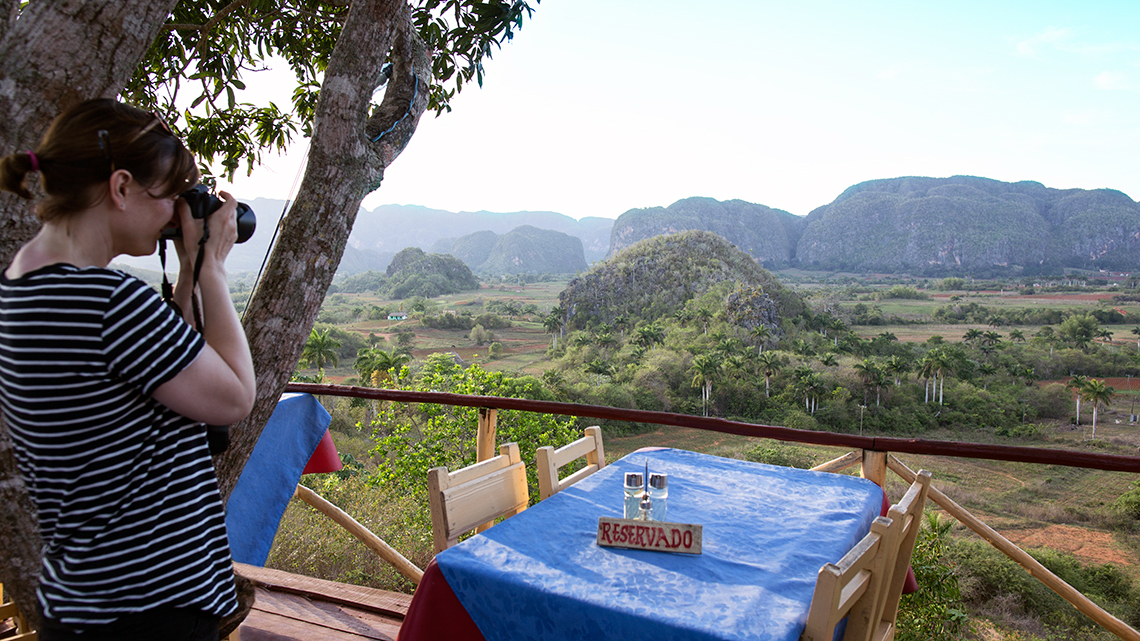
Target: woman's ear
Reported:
point(120, 185)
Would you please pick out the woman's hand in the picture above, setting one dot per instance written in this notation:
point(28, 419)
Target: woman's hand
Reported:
point(223, 232)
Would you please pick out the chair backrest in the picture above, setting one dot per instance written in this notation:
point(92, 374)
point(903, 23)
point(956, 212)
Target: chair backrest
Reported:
point(465, 499)
point(549, 460)
point(853, 587)
point(8, 610)
point(908, 512)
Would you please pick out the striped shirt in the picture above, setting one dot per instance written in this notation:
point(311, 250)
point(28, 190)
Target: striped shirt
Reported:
point(129, 510)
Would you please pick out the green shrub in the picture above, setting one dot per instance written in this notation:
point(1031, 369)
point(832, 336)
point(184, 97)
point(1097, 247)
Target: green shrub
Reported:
point(933, 613)
point(1129, 503)
point(988, 574)
point(776, 453)
point(411, 439)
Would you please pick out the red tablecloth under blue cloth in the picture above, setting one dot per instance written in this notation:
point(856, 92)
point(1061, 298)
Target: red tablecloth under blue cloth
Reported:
point(767, 530)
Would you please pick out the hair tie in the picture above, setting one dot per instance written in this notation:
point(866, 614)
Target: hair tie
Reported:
point(35, 162)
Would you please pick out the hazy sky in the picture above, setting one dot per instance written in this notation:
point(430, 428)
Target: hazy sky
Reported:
point(600, 106)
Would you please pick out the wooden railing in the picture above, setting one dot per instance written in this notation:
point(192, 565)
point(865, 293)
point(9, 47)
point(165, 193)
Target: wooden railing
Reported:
point(875, 458)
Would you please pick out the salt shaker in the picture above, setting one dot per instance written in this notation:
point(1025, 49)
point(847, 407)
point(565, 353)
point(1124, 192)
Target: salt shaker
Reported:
point(659, 494)
point(634, 489)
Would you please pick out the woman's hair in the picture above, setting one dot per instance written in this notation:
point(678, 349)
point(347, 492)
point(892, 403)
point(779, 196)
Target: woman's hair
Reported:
point(88, 142)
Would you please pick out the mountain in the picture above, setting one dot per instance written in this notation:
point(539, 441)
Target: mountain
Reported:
point(768, 235)
point(524, 249)
point(414, 273)
point(657, 276)
point(390, 228)
point(921, 225)
point(966, 224)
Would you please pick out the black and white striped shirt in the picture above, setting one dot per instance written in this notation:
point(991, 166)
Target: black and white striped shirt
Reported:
point(129, 509)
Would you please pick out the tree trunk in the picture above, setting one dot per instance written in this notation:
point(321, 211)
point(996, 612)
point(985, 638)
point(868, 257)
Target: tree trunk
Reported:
point(344, 166)
point(56, 55)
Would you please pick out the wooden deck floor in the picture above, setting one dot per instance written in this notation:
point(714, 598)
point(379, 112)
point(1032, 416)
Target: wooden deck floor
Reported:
point(290, 606)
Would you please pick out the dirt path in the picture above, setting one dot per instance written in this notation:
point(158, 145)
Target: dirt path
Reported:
point(1090, 546)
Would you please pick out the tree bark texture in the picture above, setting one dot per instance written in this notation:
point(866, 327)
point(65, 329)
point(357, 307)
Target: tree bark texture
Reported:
point(344, 165)
point(56, 54)
point(60, 52)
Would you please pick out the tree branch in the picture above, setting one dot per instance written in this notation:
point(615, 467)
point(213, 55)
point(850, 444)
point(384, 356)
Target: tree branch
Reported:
point(213, 22)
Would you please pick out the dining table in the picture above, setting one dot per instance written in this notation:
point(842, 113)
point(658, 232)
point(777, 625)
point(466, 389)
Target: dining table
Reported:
point(541, 574)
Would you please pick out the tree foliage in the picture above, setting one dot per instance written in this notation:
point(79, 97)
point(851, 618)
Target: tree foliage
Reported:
point(413, 439)
point(196, 68)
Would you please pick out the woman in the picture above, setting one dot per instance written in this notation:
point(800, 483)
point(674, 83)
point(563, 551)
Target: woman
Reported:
point(105, 389)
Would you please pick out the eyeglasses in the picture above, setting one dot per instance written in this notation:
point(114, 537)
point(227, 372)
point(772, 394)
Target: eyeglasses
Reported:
point(156, 120)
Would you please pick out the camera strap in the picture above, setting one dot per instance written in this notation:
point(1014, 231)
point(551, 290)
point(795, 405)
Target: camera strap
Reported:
point(197, 271)
point(217, 436)
point(167, 288)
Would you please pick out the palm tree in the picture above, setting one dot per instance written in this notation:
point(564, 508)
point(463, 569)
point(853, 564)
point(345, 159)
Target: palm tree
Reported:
point(986, 370)
point(552, 323)
point(809, 383)
point(770, 362)
point(605, 340)
point(682, 316)
point(762, 333)
point(1047, 335)
point(560, 314)
point(386, 363)
point(1028, 374)
point(649, 335)
point(1077, 383)
point(926, 369)
point(1136, 332)
point(705, 368)
point(704, 315)
point(972, 335)
point(621, 323)
point(828, 359)
point(726, 345)
point(600, 367)
point(1017, 336)
point(936, 362)
point(897, 366)
point(582, 340)
point(870, 372)
point(320, 349)
point(1098, 392)
point(836, 325)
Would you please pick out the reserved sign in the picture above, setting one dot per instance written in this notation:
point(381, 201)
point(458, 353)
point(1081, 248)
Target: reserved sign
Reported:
point(658, 536)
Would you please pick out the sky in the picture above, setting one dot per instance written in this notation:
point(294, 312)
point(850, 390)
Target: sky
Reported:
point(601, 106)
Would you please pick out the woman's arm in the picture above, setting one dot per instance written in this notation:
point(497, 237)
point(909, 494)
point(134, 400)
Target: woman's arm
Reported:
point(218, 387)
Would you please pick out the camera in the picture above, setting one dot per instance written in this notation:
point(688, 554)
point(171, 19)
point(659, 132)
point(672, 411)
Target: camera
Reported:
point(203, 203)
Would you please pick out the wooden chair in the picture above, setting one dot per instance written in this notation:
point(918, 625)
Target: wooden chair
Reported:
point(853, 587)
point(549, 460)
point(8, 610)
point(908, 512)
point(476, 495)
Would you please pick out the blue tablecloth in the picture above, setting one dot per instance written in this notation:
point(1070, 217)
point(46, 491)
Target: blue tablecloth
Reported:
point(767, 531)
point(270, 477)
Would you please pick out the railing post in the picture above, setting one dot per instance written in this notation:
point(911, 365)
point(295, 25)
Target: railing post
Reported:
point(485, 437)
point(875, 467)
